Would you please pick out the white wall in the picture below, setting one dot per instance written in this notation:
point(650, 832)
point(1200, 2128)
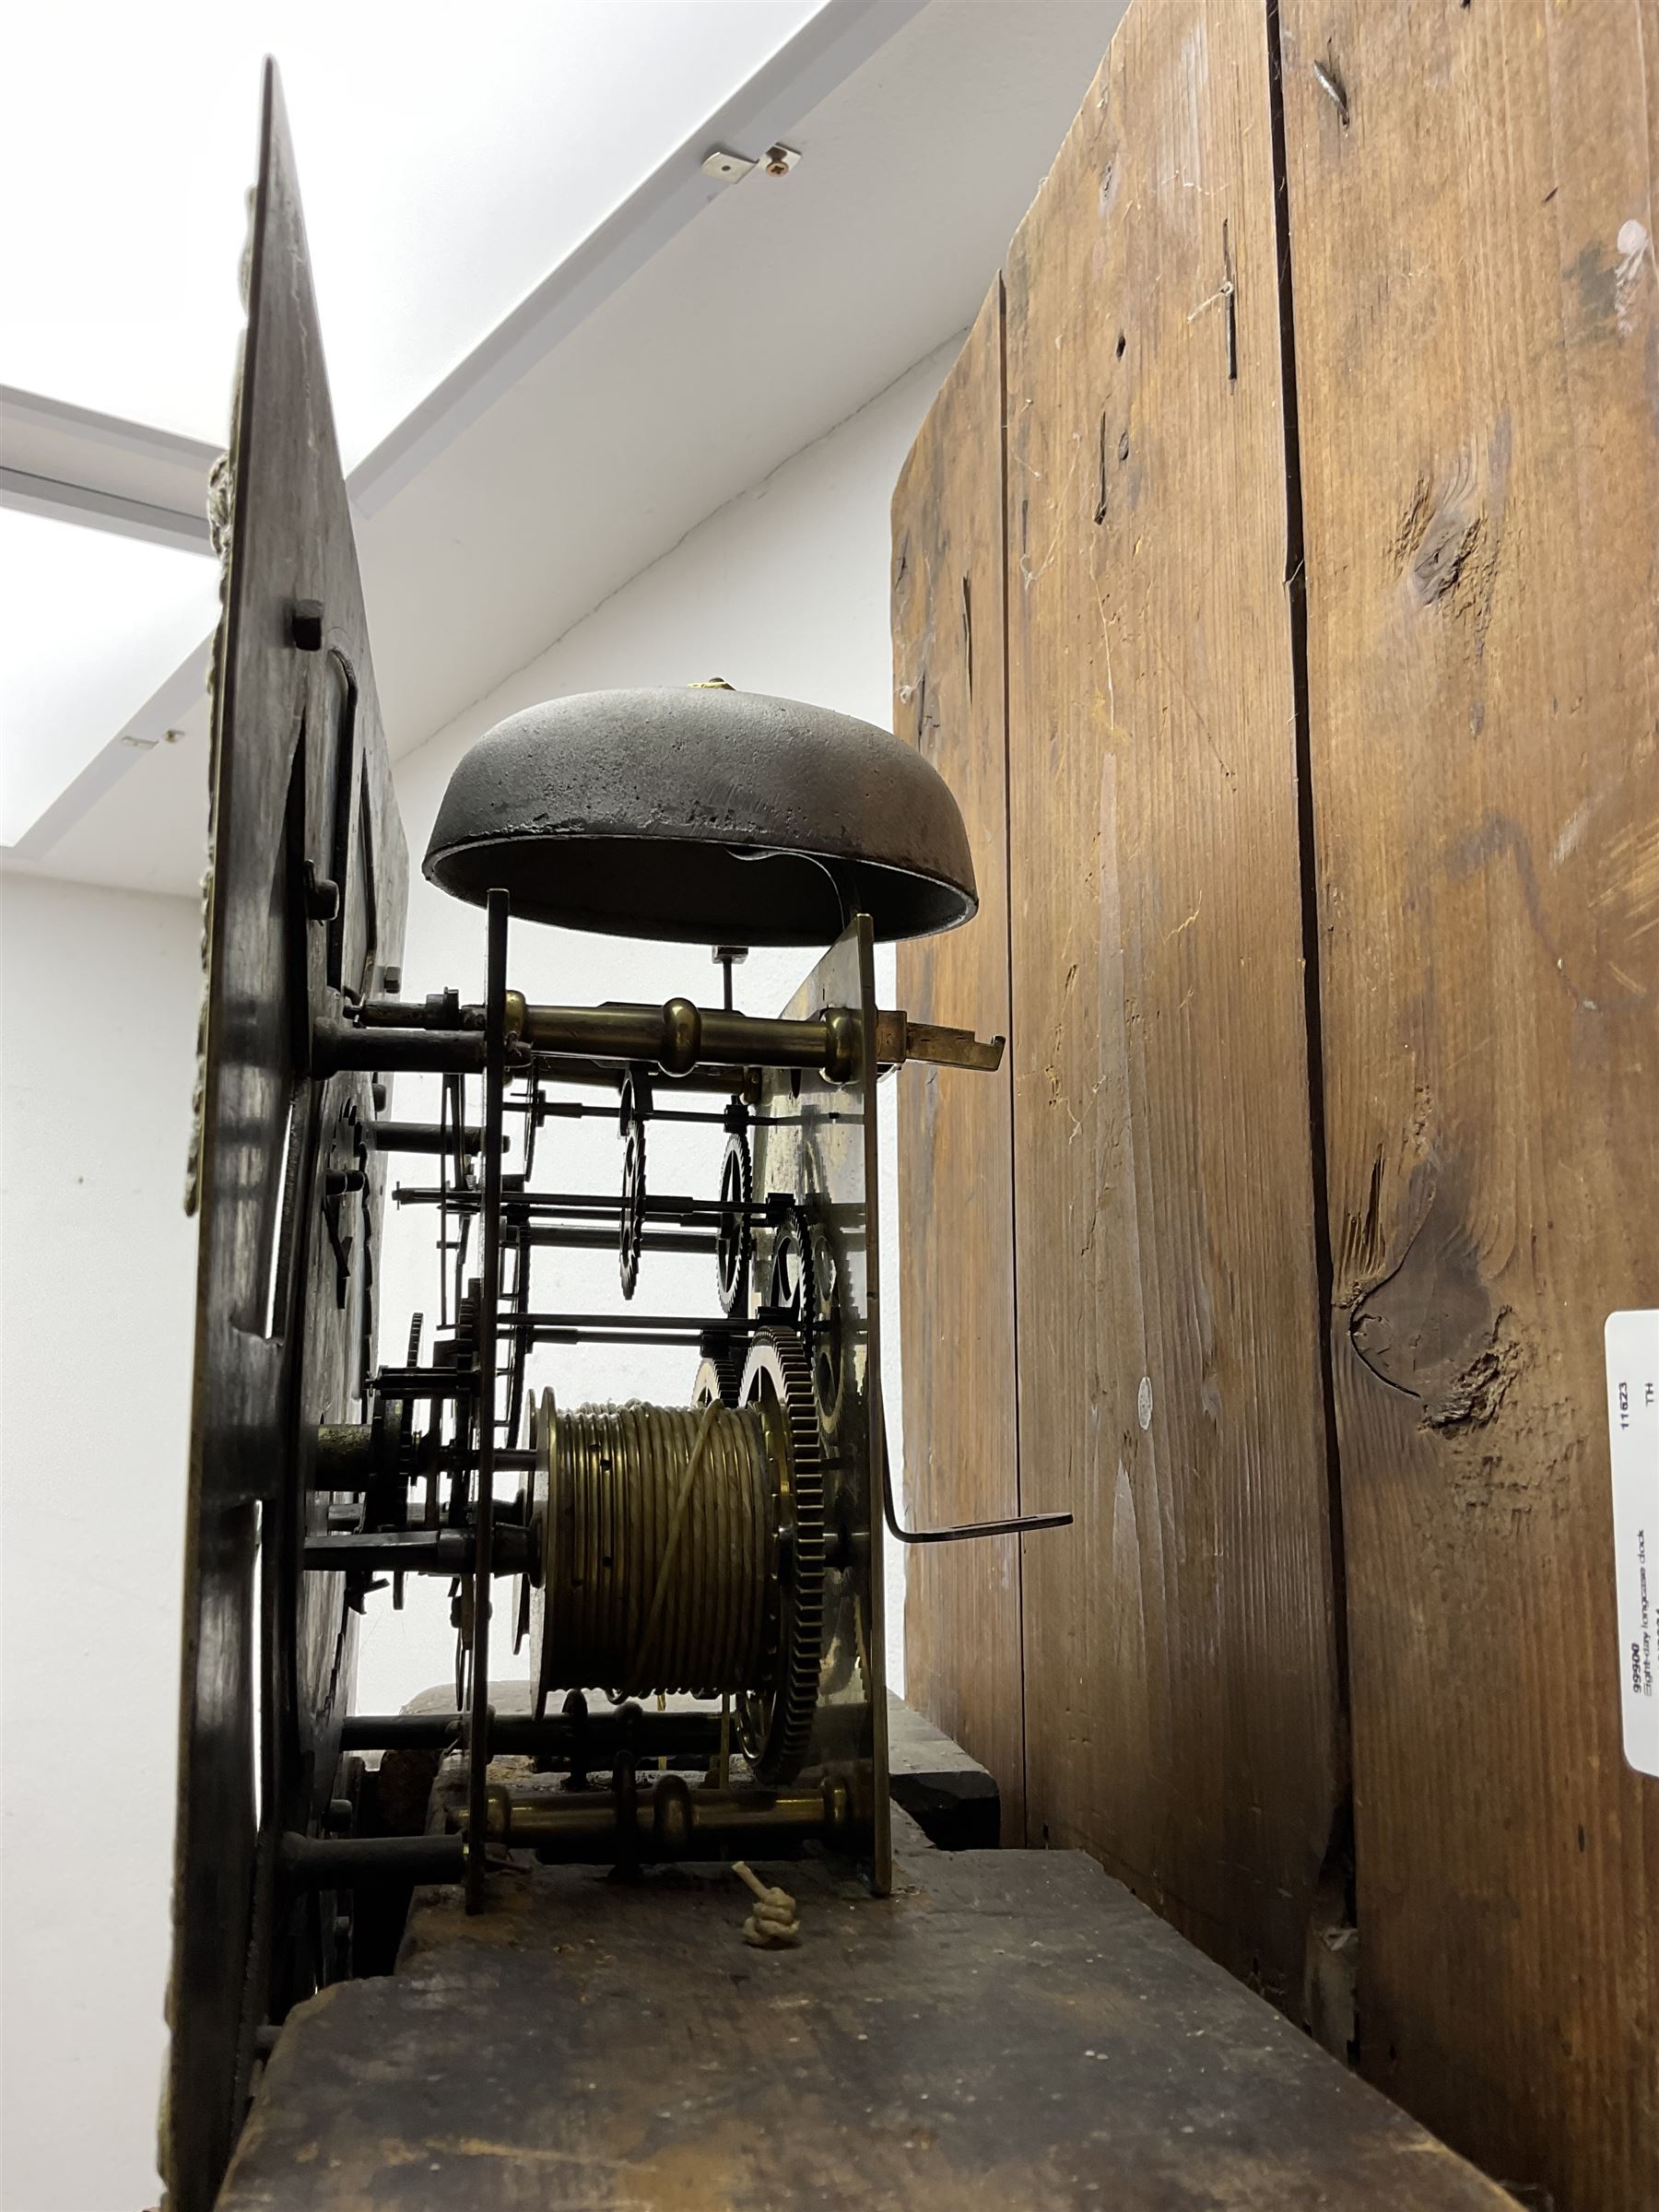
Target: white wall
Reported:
point(97, 1272)
point(786, 590)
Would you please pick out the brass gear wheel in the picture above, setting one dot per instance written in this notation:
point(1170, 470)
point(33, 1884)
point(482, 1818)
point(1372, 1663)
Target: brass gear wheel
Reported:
point(802, 1292)
point(724, 1355)
point(775, 1725)
point(393, 1447)
point(631, 1233)
point(734, 1238)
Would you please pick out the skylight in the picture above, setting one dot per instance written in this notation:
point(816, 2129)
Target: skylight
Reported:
point(93, 624)
point(450, 159)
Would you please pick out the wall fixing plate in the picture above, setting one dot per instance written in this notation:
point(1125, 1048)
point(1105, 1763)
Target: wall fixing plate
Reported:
point(724, 166)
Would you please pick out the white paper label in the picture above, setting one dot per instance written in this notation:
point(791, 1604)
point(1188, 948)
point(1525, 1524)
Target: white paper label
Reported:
point(1633, 1424)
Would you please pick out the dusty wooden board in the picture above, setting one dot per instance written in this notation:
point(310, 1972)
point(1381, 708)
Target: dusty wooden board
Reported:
point(961, 1629)
point(1010, 2030)
point(1182, 1703)
point(1477, 336)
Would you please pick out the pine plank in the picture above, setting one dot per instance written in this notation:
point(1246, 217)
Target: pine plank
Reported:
point(1478, 335)
point(1183, 1711)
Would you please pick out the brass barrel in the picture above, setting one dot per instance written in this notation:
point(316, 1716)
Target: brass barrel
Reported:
point(657, 1529)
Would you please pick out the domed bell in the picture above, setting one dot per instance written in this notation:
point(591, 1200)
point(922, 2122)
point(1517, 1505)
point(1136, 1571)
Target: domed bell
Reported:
point(703, 815)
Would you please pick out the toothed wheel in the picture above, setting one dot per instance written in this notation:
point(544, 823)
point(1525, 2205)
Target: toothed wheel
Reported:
point(394, 1447)
point(801, 1290)
point(790, 1290)
point(735, 1238)
point(724, 1356)
point(631, 1231)
point(775, 1725)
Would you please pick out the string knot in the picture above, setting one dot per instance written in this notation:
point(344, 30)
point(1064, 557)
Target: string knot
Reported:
point(773, 1923)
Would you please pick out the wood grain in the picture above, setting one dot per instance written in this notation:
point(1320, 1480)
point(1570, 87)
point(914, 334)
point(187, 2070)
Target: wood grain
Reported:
point(1183, 1716)
point(961, 1622)
point(1477, 341)
point(1010, 2032)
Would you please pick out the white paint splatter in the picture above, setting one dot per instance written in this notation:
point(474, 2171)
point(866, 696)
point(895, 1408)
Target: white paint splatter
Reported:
point(1144, 1402)
point(1635, 248)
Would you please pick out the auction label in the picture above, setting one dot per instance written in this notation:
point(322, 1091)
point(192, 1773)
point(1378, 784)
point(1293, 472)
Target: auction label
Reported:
point(1633, 1423)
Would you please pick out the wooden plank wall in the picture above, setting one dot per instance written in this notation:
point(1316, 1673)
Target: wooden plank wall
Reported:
point(1179, 1662)
point(1310, 1269)
point(1477, 324)
point(962, 1657)
point(1180, 1649)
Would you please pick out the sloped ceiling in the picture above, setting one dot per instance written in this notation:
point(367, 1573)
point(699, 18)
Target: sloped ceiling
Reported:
point(781, 309)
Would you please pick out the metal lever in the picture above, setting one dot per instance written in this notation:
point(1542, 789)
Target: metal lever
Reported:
point(1020, 1526)
point(898, 1039)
